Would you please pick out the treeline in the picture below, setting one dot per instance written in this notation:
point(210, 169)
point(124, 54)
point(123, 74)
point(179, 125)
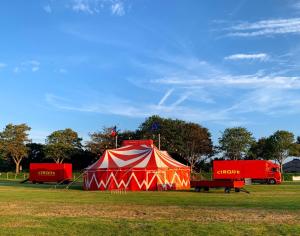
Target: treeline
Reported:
point(187, 142)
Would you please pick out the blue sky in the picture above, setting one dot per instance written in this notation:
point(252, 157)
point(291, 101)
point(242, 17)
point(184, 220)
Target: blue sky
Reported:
point(86, 64)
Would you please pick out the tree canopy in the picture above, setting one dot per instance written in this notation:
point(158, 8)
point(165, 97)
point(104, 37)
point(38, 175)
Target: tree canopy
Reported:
point(61, 144)
point(279, 145)
point(100, 141)
point(190, 141)
point(236, 142)
point(13, 140)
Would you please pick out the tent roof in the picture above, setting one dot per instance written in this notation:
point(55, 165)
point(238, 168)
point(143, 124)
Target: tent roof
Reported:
point(137, 155)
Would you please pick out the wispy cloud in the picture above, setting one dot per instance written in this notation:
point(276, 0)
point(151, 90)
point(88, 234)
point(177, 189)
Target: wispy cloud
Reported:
point(164, 98)
point(187, 87)
point(31, 65)
point(241, 56)
point(240, 81)
point(92, 7)
point(83, 6)
point(296, 5)
point(181, 99)
point(266, 28)
point(200, 82)
point(2, 65)
point(47, 8)
point(62, 71)
point(117, 8)
point(269, 101)
point(122, 107)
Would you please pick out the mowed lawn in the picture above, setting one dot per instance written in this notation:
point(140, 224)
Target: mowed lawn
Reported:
point(28, 209)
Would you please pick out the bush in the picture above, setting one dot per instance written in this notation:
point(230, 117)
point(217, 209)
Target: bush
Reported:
point(289, 176)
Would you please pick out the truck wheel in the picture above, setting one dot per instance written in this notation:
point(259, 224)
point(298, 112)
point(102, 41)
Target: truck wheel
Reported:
point(227, 190)
point(272, 181)
point(237, 190)
point(197, 189)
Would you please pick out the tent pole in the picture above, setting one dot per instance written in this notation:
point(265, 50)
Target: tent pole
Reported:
point(158, 141)
point(116, 141)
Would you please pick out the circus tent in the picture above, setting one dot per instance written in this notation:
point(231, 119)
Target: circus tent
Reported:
point(137, 165)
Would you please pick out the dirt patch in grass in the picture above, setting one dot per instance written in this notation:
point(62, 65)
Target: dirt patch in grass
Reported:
point(201, 215)
point(17, 223)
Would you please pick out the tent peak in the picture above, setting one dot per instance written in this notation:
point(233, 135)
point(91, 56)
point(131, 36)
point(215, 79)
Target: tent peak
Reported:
point(147, 142)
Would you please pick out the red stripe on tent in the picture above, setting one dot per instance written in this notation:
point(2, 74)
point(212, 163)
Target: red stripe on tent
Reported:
point(128, 157)
point(169, 159)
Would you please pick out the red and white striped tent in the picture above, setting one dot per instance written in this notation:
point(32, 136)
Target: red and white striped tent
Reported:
point(137, 165)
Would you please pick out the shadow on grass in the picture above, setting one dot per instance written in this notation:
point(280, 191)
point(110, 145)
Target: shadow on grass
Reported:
point(16, 183)
point(78, 186)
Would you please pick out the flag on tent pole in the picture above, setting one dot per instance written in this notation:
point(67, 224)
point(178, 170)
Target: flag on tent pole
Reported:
point(154, 128)
point(113, 132)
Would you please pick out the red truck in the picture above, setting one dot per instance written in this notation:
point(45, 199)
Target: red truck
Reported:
point(50, 172)
point(259, 171)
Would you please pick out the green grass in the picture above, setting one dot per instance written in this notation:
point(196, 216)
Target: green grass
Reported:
point(27, 209)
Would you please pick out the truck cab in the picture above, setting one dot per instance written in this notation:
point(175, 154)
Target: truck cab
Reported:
point(274, 175)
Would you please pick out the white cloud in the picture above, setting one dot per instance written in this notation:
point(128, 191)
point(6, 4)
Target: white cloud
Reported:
point(266, 28)
point(62, 71)
point(241, 56)
point(296, 5)
point(47, 9)
point(270, 93)
point(269, 101)
point(34, 65)
point(96, 6)
point(117, 9)
point(188, 86)
point(82, 6)
point(31, 65)
point(241, 81)
point(2, 65)
point(164, 98)
point(35, 68)
point(119, 106)
point(16, 69)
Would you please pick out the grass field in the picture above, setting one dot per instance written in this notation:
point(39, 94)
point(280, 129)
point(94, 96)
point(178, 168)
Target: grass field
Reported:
point(42, 210)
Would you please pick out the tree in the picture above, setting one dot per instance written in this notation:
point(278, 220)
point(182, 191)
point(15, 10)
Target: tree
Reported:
point(100, 141)
point(295, 150)
point(171, 133)
point(13, 140)
point(280, 145)
point(36, 152)
point(197, 145)
point(259, 150)
point(235, 142)
point(61, 144)
point(188, 141)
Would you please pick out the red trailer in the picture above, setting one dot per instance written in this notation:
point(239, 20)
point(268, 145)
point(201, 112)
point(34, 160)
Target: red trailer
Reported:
point(257, 170)
point(237, 185)
point(50, 172)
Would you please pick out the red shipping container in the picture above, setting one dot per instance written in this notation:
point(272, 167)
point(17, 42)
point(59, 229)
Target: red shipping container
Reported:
point(50, 172)
point(258, 170)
